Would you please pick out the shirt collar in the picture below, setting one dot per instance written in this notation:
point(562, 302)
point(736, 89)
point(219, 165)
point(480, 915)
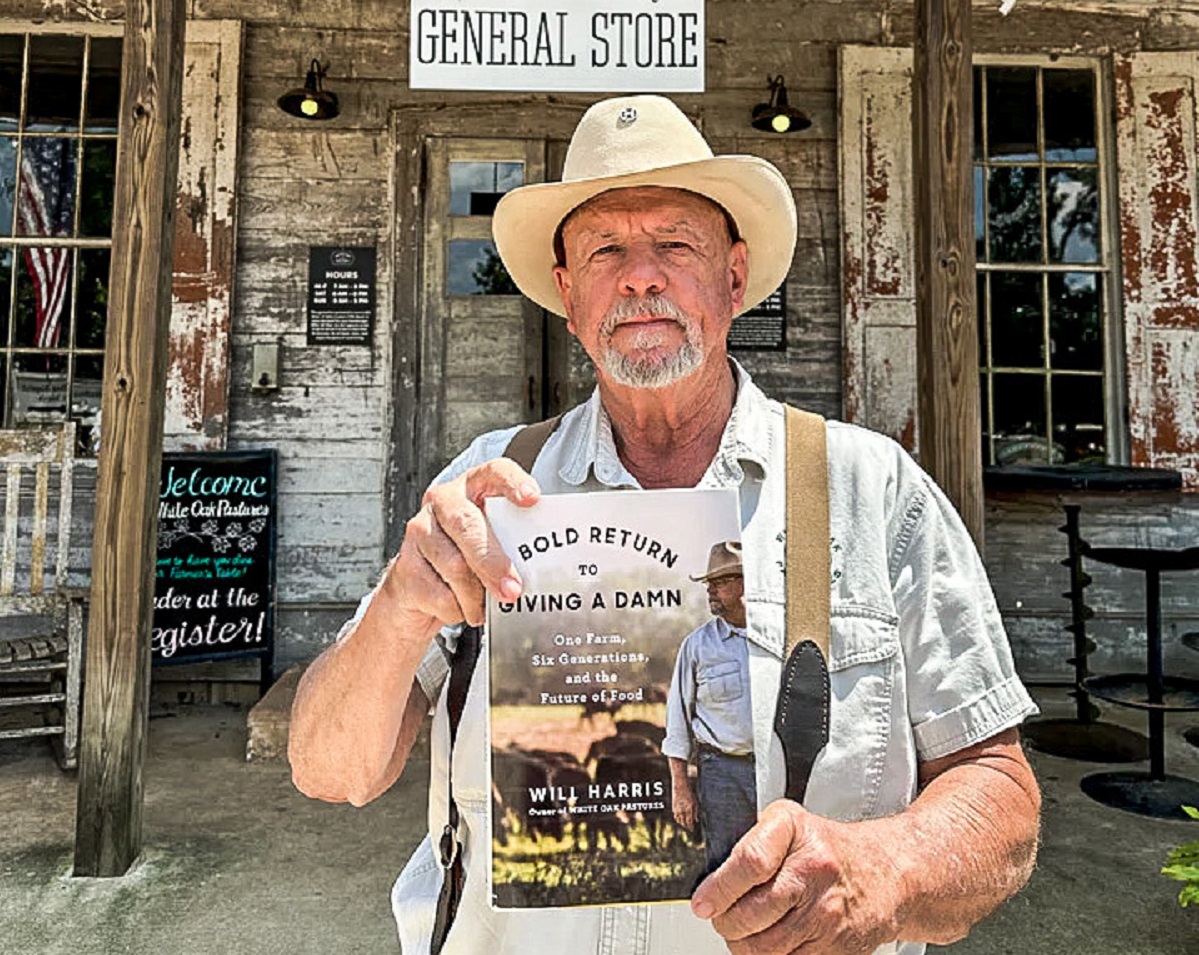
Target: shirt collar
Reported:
point(746, 439)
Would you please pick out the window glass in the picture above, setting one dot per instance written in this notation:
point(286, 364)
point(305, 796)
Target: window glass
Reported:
point(43, 297)
point(1069, 116)
point(476, 187)
point(46, 198)
point(1076, 321)
point(1020, 420)
point(95, 189)
point(1042, 264)
point(39, 389)
point(475, 269)
point(1014, 213)
point(103, 85)
point(1078, 417)
point(8, 182)
point(92, 310)
point(1016, 324)
point(1012, 113)
point(12, 64)
point(56, 180)
point(55, 89)
point(1072, 215)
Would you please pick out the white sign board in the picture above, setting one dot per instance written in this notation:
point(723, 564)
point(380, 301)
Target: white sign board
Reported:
point(611, 46)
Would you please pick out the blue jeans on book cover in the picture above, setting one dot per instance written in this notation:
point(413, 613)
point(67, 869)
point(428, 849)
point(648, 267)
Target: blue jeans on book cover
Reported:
point(728, 802)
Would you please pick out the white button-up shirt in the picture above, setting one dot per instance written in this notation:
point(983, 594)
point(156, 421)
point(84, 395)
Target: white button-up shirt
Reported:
point(919, 665)
point(708, 703)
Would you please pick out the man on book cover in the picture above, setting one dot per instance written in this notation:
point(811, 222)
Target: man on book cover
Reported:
point(709, 719)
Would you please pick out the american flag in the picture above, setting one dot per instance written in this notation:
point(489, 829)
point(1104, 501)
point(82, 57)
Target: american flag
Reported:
point(41, 209)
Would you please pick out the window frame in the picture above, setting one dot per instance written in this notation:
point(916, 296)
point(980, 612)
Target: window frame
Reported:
point(9, 352)
point(1116, 429)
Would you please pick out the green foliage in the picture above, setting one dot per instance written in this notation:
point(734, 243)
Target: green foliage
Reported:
point(1182, 865)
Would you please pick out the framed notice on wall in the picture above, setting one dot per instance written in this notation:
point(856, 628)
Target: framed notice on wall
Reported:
point(763, 327)
point(214, 584)
point(341, 295)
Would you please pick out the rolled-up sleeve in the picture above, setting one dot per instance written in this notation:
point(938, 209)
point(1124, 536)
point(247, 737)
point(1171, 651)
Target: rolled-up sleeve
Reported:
point(679, 702)
point(961, 681)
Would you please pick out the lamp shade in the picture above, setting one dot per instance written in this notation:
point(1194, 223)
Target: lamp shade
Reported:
point(777, 115)
point(312, 100)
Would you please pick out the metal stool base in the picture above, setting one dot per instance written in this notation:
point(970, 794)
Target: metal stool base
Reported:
point(1141, 793)
point(1091, 742)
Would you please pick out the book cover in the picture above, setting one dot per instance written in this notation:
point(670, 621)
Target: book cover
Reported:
point(619, 695)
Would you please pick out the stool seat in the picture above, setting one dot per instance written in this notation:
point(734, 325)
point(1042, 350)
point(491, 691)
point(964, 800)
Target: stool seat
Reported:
point(1191, 640)
point(1179, 694)
point(1146, 558)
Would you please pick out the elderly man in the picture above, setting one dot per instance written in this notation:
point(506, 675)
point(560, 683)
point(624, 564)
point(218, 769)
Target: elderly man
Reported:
point(921, 812)
point(709, 718)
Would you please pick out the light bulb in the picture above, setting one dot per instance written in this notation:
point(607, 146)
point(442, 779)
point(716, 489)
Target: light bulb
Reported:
point(781, 123)
point(309, 107)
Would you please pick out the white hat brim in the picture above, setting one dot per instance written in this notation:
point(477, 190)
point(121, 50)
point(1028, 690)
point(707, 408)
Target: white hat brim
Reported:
point(752, 191)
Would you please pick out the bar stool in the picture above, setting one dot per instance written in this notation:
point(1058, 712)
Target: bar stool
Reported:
point(1191, 642)
point(1155, 793)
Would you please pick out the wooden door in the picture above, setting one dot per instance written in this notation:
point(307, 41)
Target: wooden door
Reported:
point(482, 354)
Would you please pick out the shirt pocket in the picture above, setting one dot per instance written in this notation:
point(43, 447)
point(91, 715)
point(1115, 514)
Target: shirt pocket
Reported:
point(848, 775)
point(720, 683)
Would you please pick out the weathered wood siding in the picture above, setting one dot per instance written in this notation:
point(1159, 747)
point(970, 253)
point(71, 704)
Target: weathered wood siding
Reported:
point(301, 184)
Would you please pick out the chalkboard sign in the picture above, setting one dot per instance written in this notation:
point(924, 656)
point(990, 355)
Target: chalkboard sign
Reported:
point(341, 295)
point(214, 585)
point(763, 327)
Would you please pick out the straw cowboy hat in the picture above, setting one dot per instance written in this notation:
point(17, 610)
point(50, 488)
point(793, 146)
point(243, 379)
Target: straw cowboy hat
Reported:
point(646, 141)
point(724, 560)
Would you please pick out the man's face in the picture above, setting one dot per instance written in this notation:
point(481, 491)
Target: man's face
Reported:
point(726, 597)
point(650, 283)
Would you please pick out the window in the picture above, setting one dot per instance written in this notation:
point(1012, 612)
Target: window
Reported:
point(476, 187)
point(1044, 274)
point(59, 100)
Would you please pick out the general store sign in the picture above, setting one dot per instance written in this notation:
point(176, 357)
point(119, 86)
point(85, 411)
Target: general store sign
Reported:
point(614, 46)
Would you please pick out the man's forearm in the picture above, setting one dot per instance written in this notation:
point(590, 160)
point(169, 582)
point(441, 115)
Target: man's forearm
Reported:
point(926, 874)
point(352, 723)
point(967, 843)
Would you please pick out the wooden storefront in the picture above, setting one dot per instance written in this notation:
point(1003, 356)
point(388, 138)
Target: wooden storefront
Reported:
point(360, 429)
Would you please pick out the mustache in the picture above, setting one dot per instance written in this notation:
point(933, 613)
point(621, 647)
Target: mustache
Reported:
point(643, 306)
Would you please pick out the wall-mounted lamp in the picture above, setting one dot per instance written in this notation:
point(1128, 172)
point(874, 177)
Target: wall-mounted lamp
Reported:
point(778, 116)
point(313, 101)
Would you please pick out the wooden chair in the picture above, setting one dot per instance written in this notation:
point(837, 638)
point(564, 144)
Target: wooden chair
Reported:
point(41, 617)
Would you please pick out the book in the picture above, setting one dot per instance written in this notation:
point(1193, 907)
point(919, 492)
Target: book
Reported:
point(582, 671)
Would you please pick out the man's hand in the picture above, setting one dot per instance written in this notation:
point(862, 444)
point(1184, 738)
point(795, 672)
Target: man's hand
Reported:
point(800, 883)
point(450, 556)
point(683, 805)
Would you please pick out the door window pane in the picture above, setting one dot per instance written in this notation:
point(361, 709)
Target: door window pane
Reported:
point(1012, 113)
point(474, 268)
point(47, 193)
point(476, 187)
point(6, 260)
point(55, 90)
point(85, 399)
point(1018, 331)
point(1069, 116)
point(1014, 213)
point(1073, 216)
point(1076, 321)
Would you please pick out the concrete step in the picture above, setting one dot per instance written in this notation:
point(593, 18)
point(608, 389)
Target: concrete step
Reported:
point(268, 719)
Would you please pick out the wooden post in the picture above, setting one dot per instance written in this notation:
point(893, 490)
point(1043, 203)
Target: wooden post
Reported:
point(108, 827)
point(946, 319)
